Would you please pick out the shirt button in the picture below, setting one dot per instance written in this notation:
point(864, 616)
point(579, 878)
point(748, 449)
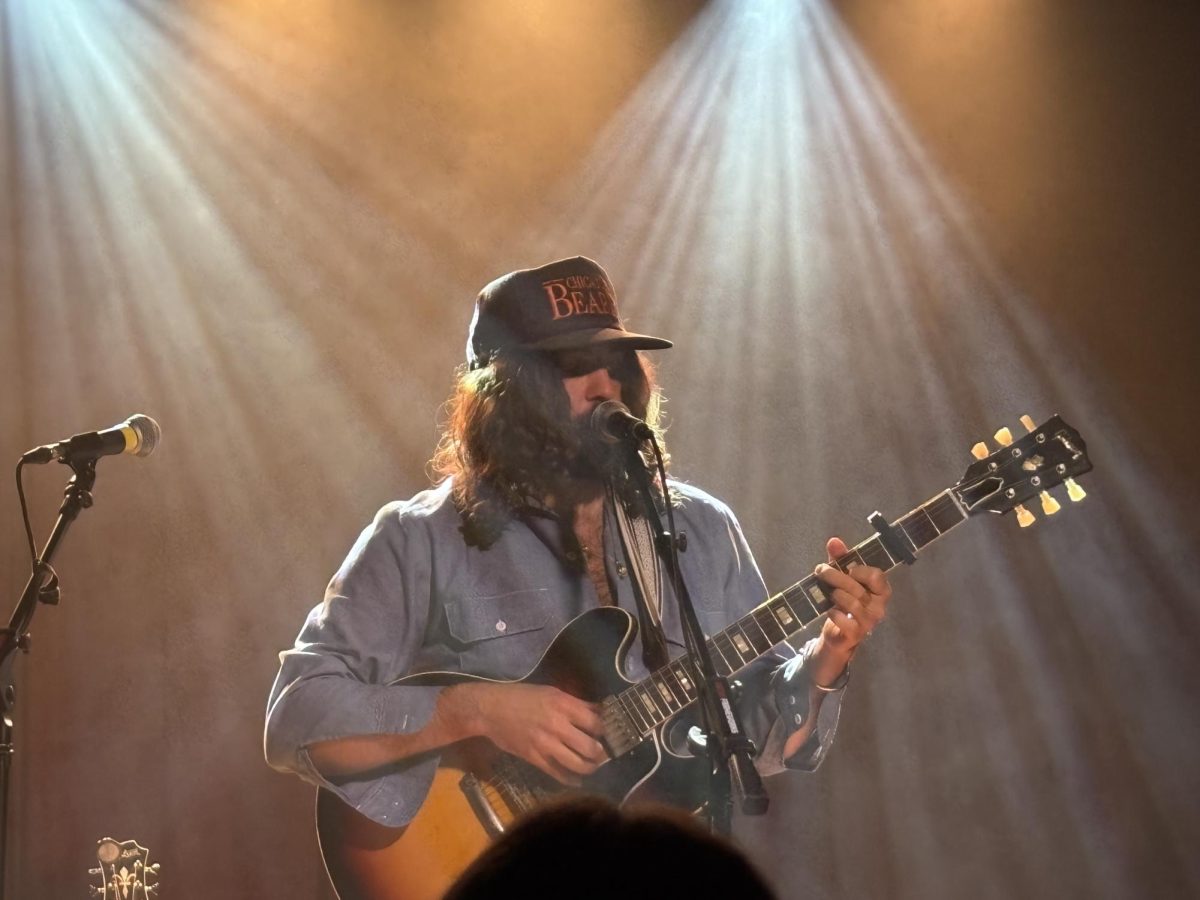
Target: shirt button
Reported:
point(798, 719)
point(621, 570)
point(502, 626)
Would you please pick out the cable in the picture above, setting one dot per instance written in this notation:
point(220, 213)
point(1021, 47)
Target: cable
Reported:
point(25, 514)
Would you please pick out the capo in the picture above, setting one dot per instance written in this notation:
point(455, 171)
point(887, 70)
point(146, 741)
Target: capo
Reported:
point(895, 545)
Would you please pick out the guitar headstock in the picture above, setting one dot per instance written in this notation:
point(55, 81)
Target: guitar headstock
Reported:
point(1050, 454)
point(125, 870)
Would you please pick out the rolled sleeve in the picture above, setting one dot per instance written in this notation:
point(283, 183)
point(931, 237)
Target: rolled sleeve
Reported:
point(791, 689)
point(327, 708)
point(336, 682)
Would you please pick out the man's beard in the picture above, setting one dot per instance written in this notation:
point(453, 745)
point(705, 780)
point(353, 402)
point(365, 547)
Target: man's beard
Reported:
point(592, 457)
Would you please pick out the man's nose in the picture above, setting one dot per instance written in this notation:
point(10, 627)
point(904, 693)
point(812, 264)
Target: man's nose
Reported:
point(602, 386)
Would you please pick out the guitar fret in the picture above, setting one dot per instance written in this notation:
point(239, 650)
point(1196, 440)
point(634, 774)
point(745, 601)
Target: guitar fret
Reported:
point(816, 591)
point(798, 589)
point(740, 658)
point(874, 553)
point(761, 644)
point(783, 613)
point(932, 524)
point(804, 614)
point(741, 641)
point(919, 528)
point(650, 704)
point(715, 644)
point(845, 561)
point(664, 691)
point(944, 513)
point(631, 710)
point(685, 676)
point(671, 679)
point(722, 657)
point(765, 614)
point(911, 543)
point(636, 713)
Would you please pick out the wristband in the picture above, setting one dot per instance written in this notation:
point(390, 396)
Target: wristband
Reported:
point(838, 683)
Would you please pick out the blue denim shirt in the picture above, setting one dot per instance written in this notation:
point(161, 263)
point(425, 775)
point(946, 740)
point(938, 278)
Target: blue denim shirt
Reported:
point(412, 596)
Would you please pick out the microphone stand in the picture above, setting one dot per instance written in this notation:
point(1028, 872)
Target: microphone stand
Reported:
point(78, 496)
point(730, 751)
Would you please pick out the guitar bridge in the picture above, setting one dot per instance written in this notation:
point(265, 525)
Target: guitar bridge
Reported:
point(507, 793)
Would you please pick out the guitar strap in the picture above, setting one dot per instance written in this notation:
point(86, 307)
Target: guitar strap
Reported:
point(645, 572)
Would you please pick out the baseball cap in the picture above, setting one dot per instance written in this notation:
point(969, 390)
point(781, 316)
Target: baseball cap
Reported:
point(563, 305)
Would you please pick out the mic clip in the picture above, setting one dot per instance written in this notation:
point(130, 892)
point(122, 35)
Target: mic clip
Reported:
point(38, 456)
point(665, 540)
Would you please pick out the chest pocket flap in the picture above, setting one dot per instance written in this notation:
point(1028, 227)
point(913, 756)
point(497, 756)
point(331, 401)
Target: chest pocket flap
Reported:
point(474, 619)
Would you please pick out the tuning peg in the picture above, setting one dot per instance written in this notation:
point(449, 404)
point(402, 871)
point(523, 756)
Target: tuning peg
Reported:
point(1024, 517)
point(1003, 437)
point(1074, 491)
point(1049, 505)
point(1028, 423)
point(980, 450)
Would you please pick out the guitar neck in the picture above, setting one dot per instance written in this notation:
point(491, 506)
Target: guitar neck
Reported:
point(781, 618)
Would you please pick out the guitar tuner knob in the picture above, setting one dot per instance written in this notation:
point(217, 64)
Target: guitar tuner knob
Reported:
point(1049, 505)
point(1028, 423)
point(980, 450)
point(1074, 491)
point(1024, 517)
point(1003, 437)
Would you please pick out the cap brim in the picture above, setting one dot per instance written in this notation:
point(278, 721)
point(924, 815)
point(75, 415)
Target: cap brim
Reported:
point(614, 337)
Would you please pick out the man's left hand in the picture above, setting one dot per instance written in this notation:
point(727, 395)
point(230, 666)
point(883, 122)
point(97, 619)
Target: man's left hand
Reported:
point(860, 596)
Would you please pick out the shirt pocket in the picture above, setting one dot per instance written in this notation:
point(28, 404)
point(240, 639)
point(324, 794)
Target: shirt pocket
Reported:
point(501, 636)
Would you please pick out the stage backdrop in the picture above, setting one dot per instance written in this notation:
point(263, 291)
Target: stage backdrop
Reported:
point(876, 232)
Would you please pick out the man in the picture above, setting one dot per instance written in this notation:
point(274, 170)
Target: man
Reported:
point(519, 537)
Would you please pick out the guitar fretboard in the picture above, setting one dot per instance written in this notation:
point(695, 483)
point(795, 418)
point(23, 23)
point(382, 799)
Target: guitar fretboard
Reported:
point(668, 690)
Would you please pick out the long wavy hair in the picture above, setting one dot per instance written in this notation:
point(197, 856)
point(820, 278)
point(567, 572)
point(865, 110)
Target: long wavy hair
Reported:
point(508, 441)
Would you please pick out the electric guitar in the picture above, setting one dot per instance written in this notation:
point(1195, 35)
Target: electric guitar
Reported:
point(479, 790)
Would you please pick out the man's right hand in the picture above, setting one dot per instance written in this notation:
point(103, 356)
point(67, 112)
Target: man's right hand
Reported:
point(542, 725)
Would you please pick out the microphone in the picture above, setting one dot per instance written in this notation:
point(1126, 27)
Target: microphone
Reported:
point(615, 423)
point(137, 435)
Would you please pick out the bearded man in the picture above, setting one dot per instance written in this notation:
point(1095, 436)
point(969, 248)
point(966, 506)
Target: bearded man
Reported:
point(521, 535)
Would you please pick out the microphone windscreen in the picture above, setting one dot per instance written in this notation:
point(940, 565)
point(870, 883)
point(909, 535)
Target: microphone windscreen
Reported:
point(147, 432)
point(602, 419)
